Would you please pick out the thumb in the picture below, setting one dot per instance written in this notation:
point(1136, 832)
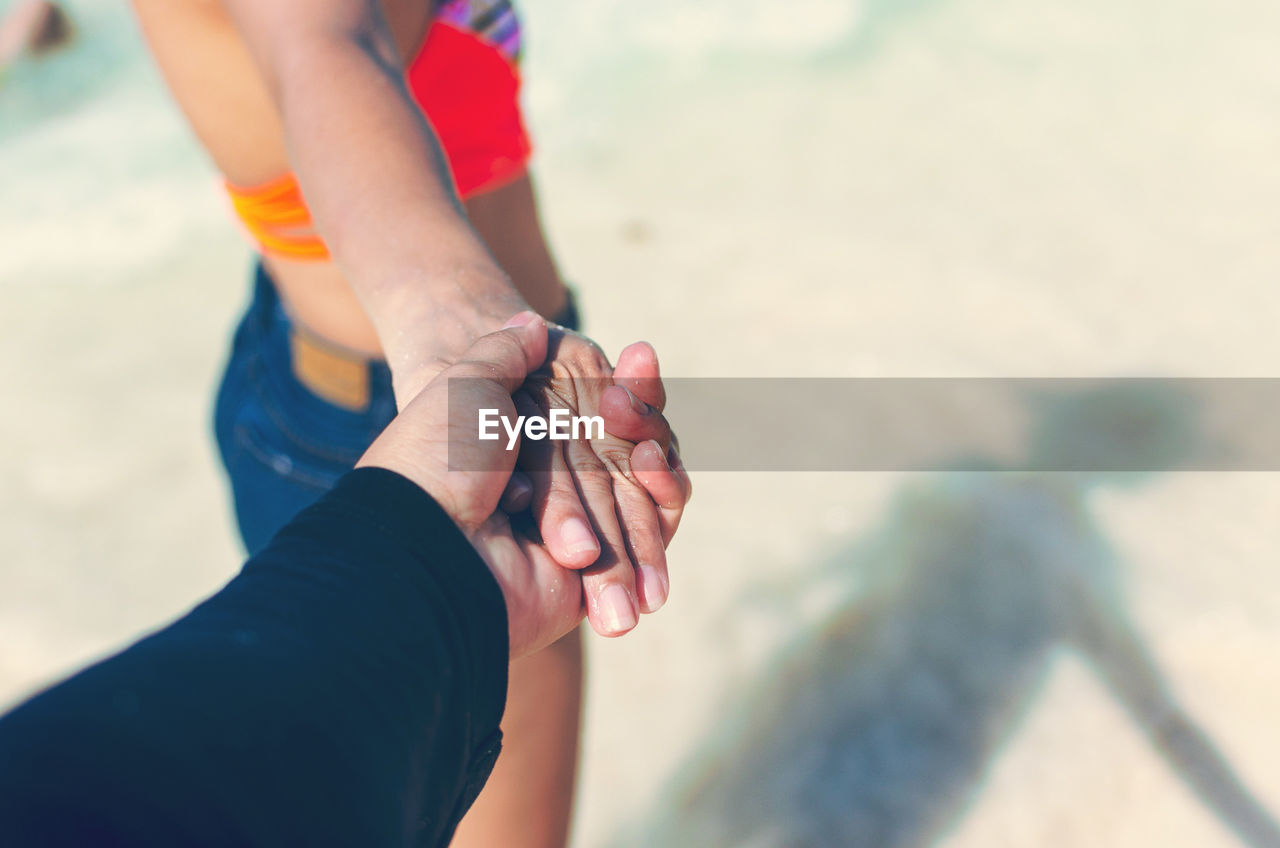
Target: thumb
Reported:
point(637, 372)
point(507, 356)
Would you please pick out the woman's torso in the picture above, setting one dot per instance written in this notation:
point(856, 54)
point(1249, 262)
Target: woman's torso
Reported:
point(217, 84)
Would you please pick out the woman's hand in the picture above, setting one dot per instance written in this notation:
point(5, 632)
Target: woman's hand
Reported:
point(591, 506)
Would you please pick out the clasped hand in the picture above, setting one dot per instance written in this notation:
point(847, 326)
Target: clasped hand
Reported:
point(581, 527)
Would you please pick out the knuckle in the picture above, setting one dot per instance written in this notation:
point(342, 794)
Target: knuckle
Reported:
point(472, 369)
point(613, 455)
point(545, 388)
point(561, 486)
point(640, 516)
point(584, 347)
point(585, 462)
point(598, 583)
point(644, 539)
point(579, 353)
point(596, 486)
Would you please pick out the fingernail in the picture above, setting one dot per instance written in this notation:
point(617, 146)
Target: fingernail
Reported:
point(653, 589)
point(654, 352)
point(617, 612)
point(520, 319)
point(636, 404)
point(577, 537)
point(657, 448)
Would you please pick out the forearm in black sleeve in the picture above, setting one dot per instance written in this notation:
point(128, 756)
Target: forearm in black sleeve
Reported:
point(344, 689)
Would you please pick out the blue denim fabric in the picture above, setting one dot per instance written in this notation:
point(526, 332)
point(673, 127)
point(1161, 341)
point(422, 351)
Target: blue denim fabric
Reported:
point(283, 447)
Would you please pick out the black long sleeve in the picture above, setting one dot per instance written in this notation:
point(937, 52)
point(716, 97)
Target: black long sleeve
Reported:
point(344, 689)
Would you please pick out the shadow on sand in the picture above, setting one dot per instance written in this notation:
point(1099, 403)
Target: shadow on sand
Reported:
point(877, 728)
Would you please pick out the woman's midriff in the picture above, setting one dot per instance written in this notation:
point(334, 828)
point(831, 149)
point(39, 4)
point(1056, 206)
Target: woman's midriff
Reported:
point(236, 120)
point(318, 297)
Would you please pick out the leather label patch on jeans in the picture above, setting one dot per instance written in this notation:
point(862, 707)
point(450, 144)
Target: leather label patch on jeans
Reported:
point(341, 380)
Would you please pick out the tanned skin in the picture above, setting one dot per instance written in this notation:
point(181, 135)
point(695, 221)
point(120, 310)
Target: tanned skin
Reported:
point(316, 87)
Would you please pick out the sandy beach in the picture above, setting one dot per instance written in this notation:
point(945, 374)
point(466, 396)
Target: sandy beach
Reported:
point(886, 189)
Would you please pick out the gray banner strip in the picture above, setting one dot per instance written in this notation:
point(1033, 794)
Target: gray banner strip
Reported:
point(1080, 425)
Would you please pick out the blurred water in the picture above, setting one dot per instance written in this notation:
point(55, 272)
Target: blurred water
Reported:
point(575, 51)
point(598, 63)
point(105, 55)
point(573, 48)
point(100, 173)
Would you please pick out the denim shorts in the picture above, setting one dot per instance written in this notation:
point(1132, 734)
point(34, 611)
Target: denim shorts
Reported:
point(282, 444)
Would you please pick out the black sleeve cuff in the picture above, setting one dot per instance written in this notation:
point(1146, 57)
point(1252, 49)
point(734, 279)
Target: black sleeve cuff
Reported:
point(377, 500)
